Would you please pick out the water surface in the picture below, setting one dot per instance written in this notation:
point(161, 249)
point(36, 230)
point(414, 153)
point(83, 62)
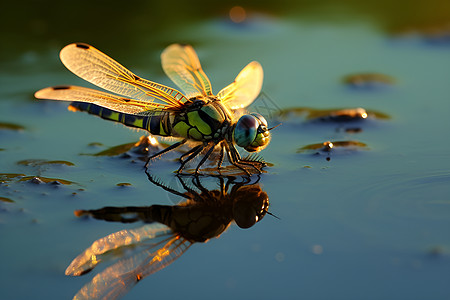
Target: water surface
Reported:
point(368, 223)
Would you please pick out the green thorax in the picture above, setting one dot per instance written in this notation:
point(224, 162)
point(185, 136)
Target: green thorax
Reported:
point(202, 119)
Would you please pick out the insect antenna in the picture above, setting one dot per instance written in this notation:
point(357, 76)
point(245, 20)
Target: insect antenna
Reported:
point(274, 127)
point(269, 213)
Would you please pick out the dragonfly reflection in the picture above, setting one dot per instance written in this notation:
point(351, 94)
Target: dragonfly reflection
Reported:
point(168, 233)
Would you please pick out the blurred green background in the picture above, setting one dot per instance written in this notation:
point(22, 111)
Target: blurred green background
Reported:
point(38, 25)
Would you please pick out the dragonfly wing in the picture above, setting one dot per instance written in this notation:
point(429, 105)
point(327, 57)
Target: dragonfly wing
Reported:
point(245, 88)
point(105, 247)
point(96, 67)
point(115, 281)
point(82, 94)
point(182, 66)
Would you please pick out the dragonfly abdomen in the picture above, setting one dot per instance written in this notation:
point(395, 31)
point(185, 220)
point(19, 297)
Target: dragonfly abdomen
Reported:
point(157, 123)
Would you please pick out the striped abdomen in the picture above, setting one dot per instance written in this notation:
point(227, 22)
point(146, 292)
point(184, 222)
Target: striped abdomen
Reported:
point(157, 123)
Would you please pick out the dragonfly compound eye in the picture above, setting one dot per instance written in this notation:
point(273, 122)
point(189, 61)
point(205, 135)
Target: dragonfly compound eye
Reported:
point(245, 130)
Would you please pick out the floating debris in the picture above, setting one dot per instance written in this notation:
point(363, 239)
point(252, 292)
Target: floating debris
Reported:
point(43, 162)
point(353, 130)
point(39, 179)
point(4, 199)
point(331, 115)
point(95, 144)
point(11, 126)
point(124, 184)
point(368, 81)
point(145, 145)
point(346, 115)
point(328, 146)
point(148, 144)
point(113, 151)
point(7, 177)
point(36, 180)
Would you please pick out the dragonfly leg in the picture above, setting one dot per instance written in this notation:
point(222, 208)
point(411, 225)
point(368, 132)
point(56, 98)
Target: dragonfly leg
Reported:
point(171, 147)
point(221, 155)
point(255, 164)
point(205, 157)
point(241, 161)
point(164, 187)
point(189, 152)
point(194, 153)
point(233, 160)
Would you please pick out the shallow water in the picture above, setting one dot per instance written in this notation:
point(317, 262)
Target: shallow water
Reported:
point(356, 223)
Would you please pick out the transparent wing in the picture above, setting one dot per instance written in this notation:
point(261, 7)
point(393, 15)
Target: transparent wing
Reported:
point(115, 281)
point(96, 67)
point(82, 94)
point(105, 247)
point(265, 106)
point(245, 88)
point(181, 64)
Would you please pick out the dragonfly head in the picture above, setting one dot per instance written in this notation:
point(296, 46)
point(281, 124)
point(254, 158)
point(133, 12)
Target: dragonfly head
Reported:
point(250, 205)
point(251, 132)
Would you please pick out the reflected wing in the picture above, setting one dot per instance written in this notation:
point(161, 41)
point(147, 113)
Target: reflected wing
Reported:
point(181, 64)
point(82, 94)
point(104, 248)
point(94, 66)
point(245, 88)
point(115, 281)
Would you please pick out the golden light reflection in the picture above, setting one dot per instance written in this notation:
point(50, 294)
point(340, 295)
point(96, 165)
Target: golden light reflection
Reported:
point(152, 141)
point(94, 259)
point(238, 14)
point(328, 145)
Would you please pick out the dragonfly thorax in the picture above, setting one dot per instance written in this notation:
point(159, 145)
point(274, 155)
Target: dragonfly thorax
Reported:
point(203, 119)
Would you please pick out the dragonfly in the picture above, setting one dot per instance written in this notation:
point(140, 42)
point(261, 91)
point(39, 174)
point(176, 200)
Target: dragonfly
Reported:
point(197, 117)
point(168, 233)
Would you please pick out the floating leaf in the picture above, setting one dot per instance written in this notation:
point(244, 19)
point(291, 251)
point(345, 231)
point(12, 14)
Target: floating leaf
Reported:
point(368, 80)
point(42, 162)
point(5, 177)
point(113, 151)
point(328, 146)
point(46, 180)
point(332, 115)
point(11, 126)
point(4, 199)
point(143, 146)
